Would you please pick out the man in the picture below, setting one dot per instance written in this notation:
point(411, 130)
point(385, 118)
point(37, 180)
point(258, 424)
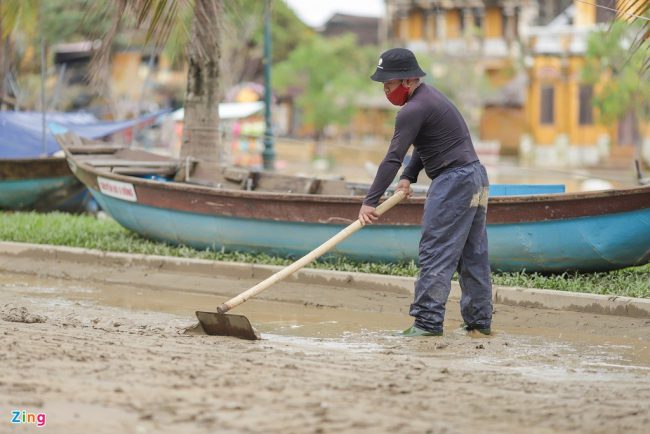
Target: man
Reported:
point(454, 234)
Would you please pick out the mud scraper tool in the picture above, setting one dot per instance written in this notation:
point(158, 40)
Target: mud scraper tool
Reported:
point(220, 323)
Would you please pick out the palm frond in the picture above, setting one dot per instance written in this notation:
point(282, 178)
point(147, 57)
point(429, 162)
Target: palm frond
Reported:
point(630, 9)
point(160, 17)
point(179, 34)
point(18, 12)
point(101, 57)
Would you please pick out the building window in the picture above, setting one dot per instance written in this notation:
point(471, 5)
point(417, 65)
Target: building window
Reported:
point(510, 23)
point(604, 14)
point(433, 24)
point(586, 108)
point(416, 25)
point(462, 23)
point(515, 22)
point(478, 18)
point(547, 109)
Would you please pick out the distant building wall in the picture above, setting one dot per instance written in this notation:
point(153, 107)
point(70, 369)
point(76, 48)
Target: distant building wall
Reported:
point(442, 24)
point(554, 103)
point(559, 110)
point(487, 30)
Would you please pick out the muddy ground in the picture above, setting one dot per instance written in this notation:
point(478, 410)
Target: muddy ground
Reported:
point(100, 349)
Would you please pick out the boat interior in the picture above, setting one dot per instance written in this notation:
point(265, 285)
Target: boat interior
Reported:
point(123, 160)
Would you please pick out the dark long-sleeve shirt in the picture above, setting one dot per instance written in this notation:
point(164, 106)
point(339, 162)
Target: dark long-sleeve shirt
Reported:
point(438, 133)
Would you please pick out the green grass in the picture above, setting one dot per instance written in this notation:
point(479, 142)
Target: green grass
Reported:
point(105, 234)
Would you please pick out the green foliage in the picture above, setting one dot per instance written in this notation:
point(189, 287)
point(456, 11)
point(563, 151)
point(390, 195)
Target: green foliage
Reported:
point(16, 14)
point(105, 234)
point(330, 73)
point(55, 20)
point(242, 28)
point(287, 31)
point(72, 21)
point(165, 23)
point(630, 282)
point(627, 80)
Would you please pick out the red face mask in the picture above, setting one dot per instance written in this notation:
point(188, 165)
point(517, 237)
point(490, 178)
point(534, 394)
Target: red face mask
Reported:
point(399, 95)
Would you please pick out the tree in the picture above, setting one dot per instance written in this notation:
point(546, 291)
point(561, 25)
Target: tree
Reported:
point(330, 75)
point(205, 30)
point(201, 134)
point(619, 73)
point(201, 123)
point(23, 23)
point(167, 20)
point(242, 38)
point(201, 139)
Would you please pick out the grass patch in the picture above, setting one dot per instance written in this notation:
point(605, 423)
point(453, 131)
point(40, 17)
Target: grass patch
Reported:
point(107, 235)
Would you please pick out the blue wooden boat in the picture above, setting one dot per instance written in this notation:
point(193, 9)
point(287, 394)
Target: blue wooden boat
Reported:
point(32, 176)
point(41, 184)
point(210, 207)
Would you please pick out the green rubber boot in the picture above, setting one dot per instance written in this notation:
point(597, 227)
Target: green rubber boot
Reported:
point(484, 331)
point(414, 331)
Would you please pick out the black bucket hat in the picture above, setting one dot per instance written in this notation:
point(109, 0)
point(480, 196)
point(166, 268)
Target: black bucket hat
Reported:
point(397, 63)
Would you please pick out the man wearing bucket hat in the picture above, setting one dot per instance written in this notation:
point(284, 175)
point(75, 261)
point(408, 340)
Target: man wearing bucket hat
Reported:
point(454, 236)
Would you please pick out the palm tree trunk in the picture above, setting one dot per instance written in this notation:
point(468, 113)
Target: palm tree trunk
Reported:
point(201, 136)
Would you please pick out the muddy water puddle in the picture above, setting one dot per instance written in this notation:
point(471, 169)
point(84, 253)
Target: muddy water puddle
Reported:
point(275, 318)
point(551, 351)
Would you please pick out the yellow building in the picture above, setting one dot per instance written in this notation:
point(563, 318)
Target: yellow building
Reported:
point(483, 33)
point(489, 28)
point(545, 113)
point(562, 125)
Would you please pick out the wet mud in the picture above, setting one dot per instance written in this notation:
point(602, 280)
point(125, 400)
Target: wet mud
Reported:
point(110, 356)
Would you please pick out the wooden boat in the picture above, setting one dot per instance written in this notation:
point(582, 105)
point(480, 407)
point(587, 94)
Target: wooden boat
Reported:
point(41, 184)
point(206, 206)
point(32, 177)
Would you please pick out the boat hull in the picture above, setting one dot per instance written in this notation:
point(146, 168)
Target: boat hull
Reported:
point(44, 184)
point(597, 243)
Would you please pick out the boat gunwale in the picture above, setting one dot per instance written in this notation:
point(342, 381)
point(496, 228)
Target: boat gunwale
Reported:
point(289, 196)
point(16, 169)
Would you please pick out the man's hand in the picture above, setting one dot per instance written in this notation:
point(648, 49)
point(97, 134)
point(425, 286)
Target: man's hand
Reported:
point(367, 215)
point(405, 186)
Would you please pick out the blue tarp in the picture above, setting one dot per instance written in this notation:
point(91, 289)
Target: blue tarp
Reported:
point(103, 129)
point(21, 132)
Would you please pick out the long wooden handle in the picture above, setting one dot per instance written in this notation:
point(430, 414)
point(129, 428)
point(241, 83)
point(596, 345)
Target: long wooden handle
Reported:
point(309, 257)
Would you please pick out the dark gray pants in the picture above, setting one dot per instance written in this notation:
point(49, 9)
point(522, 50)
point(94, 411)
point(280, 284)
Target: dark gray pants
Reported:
point(454, 237)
